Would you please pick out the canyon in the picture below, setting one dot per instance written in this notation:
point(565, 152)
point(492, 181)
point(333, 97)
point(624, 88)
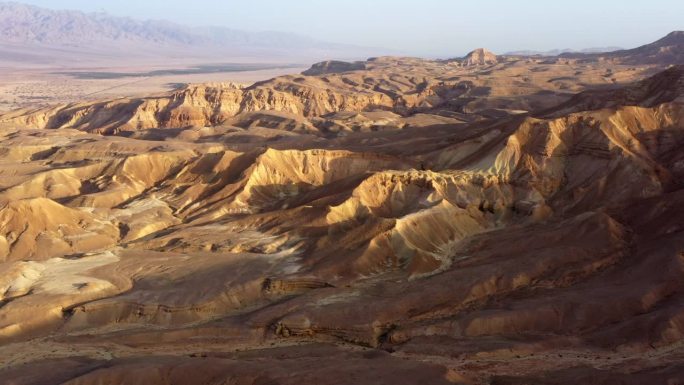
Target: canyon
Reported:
point(490, 219)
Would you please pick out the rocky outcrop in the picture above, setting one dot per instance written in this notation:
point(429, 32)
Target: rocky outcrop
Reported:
point(333, 67)
point(198, 106)
point(479, 57)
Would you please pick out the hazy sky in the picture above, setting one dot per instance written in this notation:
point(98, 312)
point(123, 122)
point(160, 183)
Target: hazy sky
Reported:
point(427, 27)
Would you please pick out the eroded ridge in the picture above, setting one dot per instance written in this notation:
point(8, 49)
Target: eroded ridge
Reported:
point(351, 225)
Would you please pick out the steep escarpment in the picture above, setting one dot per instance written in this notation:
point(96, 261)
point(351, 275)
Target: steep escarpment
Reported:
point(199, 106)
point(335, 98)
point(333, 66)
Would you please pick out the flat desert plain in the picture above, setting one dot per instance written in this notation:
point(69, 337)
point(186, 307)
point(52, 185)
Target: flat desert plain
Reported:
point(21, 88)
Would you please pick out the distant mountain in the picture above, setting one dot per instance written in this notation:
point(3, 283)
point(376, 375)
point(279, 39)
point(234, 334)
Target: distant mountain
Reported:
point(25, 26)
point(668, 50)
point(556, 52)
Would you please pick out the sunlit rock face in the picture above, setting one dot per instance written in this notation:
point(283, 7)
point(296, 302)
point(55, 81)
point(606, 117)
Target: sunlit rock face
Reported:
point(480, 57)
point(396, 221)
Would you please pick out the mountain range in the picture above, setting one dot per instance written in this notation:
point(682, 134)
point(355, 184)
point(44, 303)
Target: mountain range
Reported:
point(46, 35)
point(668, 50)
point(556, 52)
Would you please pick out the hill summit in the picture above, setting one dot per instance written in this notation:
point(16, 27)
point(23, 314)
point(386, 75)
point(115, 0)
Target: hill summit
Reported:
point(480, 56)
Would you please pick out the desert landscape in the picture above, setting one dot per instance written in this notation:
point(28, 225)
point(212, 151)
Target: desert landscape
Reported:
point(20, 88)
point(487, 219)
point(50, 57)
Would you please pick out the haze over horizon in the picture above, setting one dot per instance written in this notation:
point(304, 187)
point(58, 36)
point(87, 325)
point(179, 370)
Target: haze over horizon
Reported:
point(436, 28)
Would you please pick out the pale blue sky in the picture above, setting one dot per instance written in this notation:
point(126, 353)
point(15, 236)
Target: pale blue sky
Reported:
point(422, 27)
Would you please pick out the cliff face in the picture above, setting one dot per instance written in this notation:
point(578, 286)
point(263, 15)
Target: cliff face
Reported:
point(478, 57)
point(335, 97)
point(198, 106)
point(333, 66)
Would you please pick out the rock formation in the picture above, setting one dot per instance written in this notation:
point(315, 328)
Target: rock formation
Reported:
point(479, 57)
point(413, 222)
point(334, 98)
point(332, 67)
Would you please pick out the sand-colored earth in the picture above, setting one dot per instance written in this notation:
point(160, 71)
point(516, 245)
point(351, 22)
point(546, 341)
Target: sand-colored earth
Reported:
point(511, 220)
point(22, 88)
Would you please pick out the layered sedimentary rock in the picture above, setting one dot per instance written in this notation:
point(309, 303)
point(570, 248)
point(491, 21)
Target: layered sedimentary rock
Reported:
point(479, 57)
point(336, 98)
point(333, 66)
point(513, 248)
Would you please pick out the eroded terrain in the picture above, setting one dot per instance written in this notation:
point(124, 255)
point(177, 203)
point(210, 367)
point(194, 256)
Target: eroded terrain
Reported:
point(507, 220)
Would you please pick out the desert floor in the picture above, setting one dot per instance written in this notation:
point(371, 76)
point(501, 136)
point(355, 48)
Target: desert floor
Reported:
point(39, 87)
